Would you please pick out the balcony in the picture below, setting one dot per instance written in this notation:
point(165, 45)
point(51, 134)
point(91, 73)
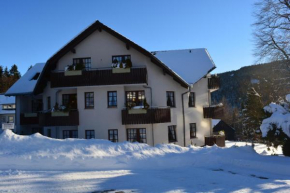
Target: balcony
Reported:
point(29, 118)
point(214, 83)
point(215, 112)
point(153, 115)
point(96, 77)
point(70, 118)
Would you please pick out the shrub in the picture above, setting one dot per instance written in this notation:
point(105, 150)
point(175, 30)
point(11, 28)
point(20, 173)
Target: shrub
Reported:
point(286, 148)
point(80, 65)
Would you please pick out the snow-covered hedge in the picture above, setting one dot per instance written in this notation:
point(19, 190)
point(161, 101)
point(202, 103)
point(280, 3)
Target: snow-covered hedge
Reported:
point(280, 117)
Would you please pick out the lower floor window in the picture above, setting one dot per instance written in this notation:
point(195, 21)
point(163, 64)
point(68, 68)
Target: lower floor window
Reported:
point(11, 119)
point(136, 135)
point(192, 130)
point(70, 134)
point(113, 135)
point(172, 133)
point(90, 134)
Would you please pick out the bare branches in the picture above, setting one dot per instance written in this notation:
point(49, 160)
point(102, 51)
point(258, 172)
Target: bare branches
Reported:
point(272, 30)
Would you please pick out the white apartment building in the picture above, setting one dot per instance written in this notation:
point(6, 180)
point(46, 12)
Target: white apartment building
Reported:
point(102, 85)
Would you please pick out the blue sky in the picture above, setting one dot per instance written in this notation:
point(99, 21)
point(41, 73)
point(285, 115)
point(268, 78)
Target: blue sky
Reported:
point(31, 31)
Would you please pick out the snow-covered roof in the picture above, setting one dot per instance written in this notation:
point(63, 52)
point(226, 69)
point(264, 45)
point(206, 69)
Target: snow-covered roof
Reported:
point(6, 100)
point(190, 64)
point(215, 122)
point(26, 84)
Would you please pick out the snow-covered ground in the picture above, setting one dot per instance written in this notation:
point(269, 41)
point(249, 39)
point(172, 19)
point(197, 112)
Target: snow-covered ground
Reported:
point(40, 164)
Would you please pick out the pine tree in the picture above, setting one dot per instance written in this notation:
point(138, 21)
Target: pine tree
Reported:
point(14, 72)
point(253, 115)
point(6, 72)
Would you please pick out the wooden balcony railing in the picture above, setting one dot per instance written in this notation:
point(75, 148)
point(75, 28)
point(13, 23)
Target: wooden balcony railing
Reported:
point(99, 77)
point(29, 119)
point(213, 112)
point(153, 115)
point(214, 83)
point(71, 119)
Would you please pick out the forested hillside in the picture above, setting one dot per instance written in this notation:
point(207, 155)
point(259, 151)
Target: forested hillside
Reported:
point(271, 81)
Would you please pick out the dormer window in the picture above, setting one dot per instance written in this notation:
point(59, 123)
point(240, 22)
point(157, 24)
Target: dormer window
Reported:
point(35, 77)
point(85, 61)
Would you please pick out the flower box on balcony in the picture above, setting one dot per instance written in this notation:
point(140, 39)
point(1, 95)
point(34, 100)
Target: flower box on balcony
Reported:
point(73, 73)
point(59, 114)
point(137, 111)
point(30, 114)
point(121, 70)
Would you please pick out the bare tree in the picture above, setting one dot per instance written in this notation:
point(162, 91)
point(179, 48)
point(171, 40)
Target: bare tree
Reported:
point(272, 30)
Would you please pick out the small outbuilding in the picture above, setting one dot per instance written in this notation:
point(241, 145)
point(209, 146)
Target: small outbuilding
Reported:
point(220, 125)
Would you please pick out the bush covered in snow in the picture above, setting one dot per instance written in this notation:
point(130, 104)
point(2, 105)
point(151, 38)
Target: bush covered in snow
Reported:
point(276, 128)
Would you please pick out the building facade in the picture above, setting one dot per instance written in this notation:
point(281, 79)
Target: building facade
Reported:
point(7, 112)
point(85, 91)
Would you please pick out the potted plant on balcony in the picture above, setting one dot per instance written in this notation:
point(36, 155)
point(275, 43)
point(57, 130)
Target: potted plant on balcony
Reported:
point(75, 69)
point(59, 111)
point(133, 109)
point(122, 67)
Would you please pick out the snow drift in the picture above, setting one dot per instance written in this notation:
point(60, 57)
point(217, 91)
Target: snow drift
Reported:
point(37, 152)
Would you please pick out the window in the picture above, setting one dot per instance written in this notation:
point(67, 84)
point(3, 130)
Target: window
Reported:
point(35, 77)
point(170, 99)
point(172, 133)
point(69, 100)
point(48, 103)
point(121, 58)
point(8, 107)
point(48, 132)
point(11, 119)
point(90, 134)
point(191, 99)
point(3, 120)
point(112, 98)
point(70, 134)
point(136, 135)
point(113, 135)
point(192, 130)
point(85, 61)
point(135, 97)
point(89, 100)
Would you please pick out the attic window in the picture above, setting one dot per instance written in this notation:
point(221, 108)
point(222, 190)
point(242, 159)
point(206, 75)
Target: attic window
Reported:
point(35, 77)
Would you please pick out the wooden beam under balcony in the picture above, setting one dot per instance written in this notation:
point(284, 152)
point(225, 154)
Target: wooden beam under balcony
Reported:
point(153, 115)
point(99, 77)
point(213, 112)
point(214, 83)
point(47, 119)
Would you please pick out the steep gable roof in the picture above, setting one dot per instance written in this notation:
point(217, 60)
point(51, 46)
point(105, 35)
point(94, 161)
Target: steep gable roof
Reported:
point(51, 63)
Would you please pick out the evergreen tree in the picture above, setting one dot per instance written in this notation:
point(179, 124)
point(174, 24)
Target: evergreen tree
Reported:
point(1, 72)
point(14, 72)
point(253, 115)
point(6, 72)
